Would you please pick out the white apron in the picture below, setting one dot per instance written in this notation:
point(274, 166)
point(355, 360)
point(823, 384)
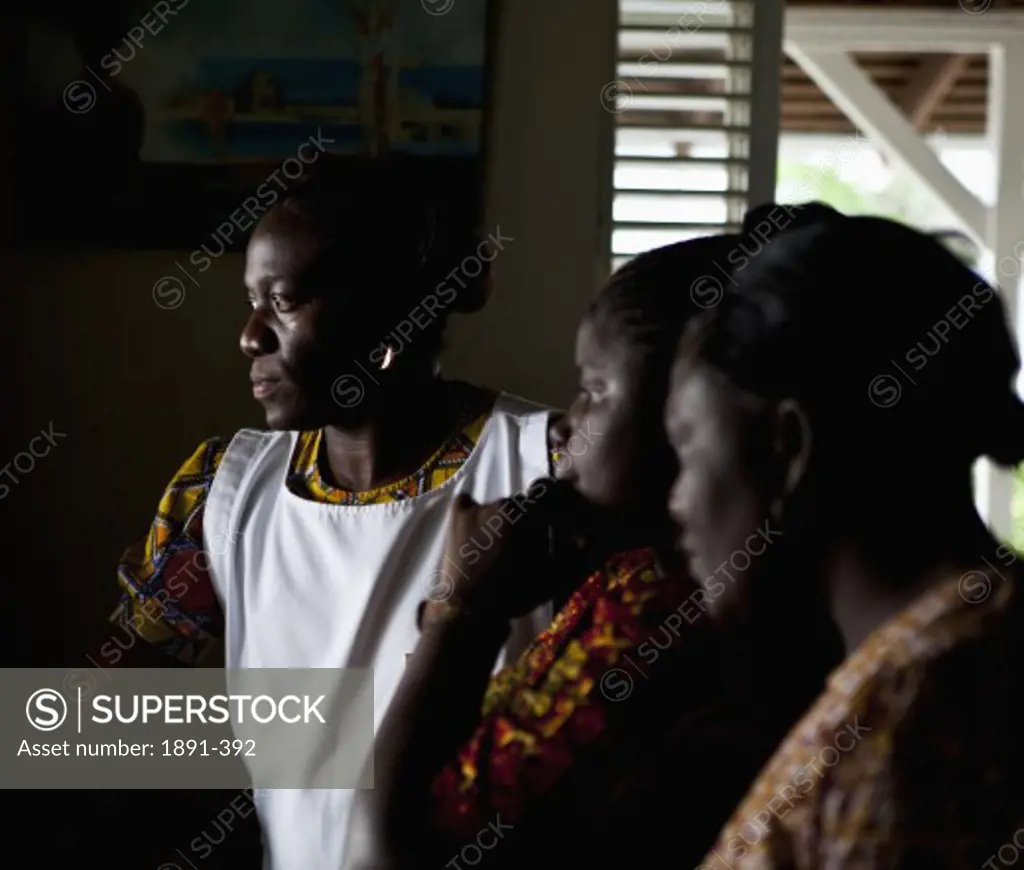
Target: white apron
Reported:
point(311, 585)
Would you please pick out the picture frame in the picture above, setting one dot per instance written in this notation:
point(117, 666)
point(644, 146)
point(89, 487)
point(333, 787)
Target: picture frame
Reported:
point(149, 126)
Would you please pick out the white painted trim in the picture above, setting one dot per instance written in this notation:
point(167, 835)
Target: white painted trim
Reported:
point(1005, 237)
point(923, 30)
point(861, 100)
point(765, 101)
point(796, 139)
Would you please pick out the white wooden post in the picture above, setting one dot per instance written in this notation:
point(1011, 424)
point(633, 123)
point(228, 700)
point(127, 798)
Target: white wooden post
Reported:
point(1005, 234)
point(765, 101)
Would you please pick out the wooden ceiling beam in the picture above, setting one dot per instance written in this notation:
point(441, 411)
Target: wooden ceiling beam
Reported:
point(929, 85)
point(843, 125)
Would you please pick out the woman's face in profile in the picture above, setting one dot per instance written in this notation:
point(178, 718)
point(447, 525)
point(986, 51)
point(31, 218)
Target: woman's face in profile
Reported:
point(611, 444)
point(722, 496)
point(307, 332)
point(286, 335)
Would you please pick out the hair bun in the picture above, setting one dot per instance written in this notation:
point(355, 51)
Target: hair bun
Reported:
point(780, 216)
point(1004, 436)
point(472, 297)
point(453, 260)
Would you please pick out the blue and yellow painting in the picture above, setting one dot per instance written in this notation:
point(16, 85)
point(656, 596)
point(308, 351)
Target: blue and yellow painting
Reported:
point(238, 81)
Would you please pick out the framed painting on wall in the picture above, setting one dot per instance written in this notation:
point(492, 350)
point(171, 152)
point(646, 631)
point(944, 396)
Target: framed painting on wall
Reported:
point(143, 125)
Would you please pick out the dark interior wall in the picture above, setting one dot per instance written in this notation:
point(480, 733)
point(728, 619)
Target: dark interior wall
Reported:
point(133, 387)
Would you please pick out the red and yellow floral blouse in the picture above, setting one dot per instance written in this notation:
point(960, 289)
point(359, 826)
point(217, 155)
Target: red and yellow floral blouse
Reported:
point(540, 710)
point(622, 715)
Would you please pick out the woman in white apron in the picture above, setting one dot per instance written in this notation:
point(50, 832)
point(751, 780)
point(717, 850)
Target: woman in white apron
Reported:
point(310, 545)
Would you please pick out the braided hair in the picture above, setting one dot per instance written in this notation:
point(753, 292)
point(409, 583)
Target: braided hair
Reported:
point(651, 298)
